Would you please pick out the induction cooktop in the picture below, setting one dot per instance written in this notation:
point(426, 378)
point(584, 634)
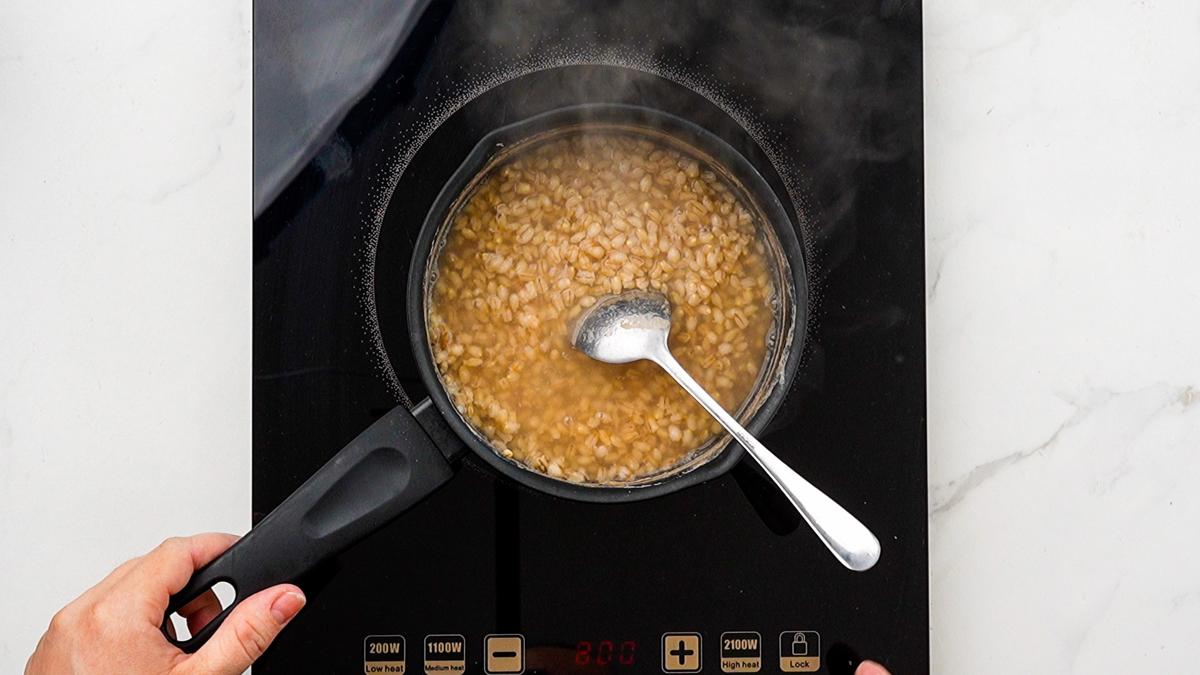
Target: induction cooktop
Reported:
point(824, 98)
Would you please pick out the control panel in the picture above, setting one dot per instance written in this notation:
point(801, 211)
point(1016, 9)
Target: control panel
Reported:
point(683, 651)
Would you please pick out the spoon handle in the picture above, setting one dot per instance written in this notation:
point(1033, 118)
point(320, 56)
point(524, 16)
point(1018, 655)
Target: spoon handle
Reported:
point(849, 540)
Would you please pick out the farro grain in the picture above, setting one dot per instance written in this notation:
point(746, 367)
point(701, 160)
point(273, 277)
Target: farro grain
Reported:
point(541, 238)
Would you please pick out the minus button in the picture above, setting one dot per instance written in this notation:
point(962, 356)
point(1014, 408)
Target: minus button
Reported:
point(505, 654)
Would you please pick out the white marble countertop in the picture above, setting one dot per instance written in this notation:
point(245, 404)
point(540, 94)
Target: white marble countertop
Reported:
point(1062, 146)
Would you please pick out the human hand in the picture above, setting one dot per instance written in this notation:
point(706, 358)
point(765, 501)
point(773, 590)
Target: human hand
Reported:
point(870, 668)
point(114, 626)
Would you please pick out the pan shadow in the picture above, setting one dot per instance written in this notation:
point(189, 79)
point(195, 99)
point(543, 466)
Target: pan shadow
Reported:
point(776, 512)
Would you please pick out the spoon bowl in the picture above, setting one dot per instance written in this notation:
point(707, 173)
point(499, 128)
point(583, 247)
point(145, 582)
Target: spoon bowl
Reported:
point(624, 328)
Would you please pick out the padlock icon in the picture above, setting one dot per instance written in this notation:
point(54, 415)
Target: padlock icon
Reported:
point(799, 645)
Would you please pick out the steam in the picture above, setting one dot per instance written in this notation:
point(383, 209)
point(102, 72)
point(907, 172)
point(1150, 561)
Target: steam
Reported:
point(822, 89)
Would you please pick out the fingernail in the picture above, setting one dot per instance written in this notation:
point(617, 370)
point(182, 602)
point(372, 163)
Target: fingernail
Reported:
point(287, 606)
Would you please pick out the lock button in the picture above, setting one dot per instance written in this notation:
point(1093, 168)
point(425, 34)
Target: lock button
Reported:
point(799, 651)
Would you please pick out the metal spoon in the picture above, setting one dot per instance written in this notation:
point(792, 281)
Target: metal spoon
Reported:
point(634, 326)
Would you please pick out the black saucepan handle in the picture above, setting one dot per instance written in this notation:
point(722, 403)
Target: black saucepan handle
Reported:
point(384, 471)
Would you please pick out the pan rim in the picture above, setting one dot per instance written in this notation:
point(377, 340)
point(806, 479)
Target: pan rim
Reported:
point(752, 181)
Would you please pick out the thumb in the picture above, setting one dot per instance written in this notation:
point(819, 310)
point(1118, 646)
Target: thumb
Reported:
point(249, 630)
point(870, 668)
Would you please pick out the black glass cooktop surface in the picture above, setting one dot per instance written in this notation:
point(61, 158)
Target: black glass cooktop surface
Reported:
point(484, 576)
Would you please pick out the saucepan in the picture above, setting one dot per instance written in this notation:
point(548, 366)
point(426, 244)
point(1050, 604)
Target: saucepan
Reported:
point(409, 453)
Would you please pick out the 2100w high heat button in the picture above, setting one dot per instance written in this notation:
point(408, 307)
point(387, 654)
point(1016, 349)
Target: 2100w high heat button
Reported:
point(741, 652)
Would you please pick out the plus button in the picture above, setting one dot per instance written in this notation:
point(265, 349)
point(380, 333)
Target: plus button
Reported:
point(682, 652)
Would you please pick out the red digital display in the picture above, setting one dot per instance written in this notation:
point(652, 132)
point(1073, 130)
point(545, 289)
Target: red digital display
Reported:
point(605, 652)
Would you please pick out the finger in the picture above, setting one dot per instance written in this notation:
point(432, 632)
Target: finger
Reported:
point(168, 567)
point(249, 630)
point(147, 587)
point(200, 611)
point(870, 668)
